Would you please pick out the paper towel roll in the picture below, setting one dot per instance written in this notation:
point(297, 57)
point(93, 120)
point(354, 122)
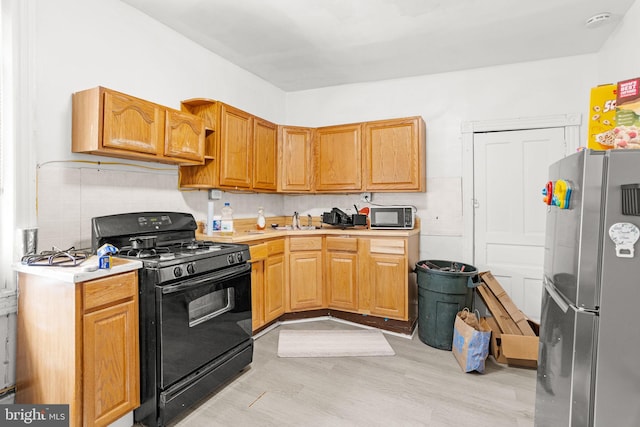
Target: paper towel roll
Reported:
point(209, 226)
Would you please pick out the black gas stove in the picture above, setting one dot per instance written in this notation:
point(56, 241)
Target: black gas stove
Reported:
point(165, 241)
point(194, 305)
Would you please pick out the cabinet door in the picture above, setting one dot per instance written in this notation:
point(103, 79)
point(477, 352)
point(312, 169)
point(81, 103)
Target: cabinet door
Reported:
point(184, 136)
point(341, 272)
point(257, 294)
point(236, 152)
point(305, 280)
point(342, 279)
point(265, 155)
point(132, 124)
point(395, 155)
point(110, 363)
point(274, 292)
point(338, 161)
point(387, 278)
point(295, 162)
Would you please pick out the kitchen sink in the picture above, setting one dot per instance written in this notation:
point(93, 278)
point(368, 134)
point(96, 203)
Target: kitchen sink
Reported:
point(302, 228)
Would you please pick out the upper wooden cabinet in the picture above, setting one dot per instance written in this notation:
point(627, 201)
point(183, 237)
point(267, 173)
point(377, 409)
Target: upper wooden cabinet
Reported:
point(236, 149)
point(241, 149)
point(394, 155)
point(295, 154)
point(110, 123)
point(185, 136)
point(265, 155)
point(338, 158)
point(245, 152)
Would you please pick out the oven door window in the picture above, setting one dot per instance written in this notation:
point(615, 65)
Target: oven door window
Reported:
point(200, 320)
point(210, 305)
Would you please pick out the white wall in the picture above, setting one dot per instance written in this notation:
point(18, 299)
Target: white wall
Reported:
point(618, 59)
point(79, 44)
point(445, 101)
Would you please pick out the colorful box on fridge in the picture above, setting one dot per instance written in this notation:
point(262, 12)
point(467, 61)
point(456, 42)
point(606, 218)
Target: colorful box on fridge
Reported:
point(602, 117)
point(627, 131)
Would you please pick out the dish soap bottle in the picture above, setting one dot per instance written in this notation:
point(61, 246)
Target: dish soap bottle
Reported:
point(261, 222)
point(226, 221)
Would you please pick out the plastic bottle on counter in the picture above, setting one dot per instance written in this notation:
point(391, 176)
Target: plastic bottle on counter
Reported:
point(226, 221)
point(261, 222)
point(217, 219)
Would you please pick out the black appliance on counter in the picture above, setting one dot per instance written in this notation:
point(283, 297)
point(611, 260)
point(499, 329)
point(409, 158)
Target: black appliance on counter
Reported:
point(195, 308)
point(340, 218)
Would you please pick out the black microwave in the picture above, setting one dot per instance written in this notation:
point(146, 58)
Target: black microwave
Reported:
point(391, 217)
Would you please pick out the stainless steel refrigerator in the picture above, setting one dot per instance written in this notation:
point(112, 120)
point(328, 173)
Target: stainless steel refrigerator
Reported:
point(589, 354)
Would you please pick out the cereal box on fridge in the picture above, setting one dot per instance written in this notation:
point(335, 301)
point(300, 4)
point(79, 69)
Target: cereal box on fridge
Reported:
point(627, 131)
point(602, 117)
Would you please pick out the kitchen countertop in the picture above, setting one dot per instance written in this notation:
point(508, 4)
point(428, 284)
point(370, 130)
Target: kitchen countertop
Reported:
point(249, 236)
point(79, 273)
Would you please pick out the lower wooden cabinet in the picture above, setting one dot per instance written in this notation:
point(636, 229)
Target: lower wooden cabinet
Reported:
point(341, 270)
point(370, 276)
point(305, 274)
point(267, 282)
point(387, 282)
point(390, 285)
point(78, 345)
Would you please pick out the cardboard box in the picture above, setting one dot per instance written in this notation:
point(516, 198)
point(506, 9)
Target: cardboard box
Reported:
point(627, 131)
point(602, 117)
point(514, 350)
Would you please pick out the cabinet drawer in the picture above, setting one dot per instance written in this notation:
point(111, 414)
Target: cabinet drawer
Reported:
point(344, 244)
point(258, 251)
point(275, 247)
point(305, 243)
point(387, 246)
point(103, 291)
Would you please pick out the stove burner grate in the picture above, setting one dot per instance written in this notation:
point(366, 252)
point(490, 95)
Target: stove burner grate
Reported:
point(199, 244)
point(56, 257)
point(163, 252)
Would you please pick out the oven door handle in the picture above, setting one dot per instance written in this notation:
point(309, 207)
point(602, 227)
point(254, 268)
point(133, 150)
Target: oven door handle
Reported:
point(217, 276)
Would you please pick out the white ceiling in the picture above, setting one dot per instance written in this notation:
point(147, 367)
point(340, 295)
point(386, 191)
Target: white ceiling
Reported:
point(304, 44)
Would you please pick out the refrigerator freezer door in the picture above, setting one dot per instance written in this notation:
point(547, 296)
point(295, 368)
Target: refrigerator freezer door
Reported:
point(572, 238)
point(617, 382)
point(564, 395)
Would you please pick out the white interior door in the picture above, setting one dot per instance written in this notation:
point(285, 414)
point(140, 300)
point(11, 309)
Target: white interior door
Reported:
point(510, 170)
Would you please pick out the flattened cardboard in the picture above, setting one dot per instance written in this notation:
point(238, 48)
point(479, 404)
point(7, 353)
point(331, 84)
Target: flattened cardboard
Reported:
point(495, 344)
point(513, 311)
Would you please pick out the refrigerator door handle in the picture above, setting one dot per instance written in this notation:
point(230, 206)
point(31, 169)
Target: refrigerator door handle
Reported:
point(556, 296)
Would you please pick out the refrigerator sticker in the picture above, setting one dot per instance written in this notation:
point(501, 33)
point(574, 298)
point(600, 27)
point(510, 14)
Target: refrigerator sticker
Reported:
point(624, 235)
point(561, 194)
point(547, 193)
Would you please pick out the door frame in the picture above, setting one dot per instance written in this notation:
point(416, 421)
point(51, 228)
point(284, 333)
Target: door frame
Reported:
point(571, 124)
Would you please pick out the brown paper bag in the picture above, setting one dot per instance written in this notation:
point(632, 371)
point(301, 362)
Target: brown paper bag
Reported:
point(470, 341)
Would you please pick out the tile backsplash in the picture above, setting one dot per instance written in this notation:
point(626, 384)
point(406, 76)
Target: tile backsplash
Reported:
point(69, 196)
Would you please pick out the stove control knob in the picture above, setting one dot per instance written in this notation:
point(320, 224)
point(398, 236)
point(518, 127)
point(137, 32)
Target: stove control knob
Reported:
point(230, 259)
point(239, 256)
point(177, 272)
point(191, 268)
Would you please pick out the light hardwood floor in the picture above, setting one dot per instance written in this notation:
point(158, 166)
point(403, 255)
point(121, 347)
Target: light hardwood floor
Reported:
point(419, 386)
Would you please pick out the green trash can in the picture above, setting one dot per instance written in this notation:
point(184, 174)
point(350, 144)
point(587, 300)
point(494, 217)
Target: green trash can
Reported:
point(444, 288)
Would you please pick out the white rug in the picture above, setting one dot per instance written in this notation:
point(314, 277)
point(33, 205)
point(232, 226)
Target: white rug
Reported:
point(333, 343)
